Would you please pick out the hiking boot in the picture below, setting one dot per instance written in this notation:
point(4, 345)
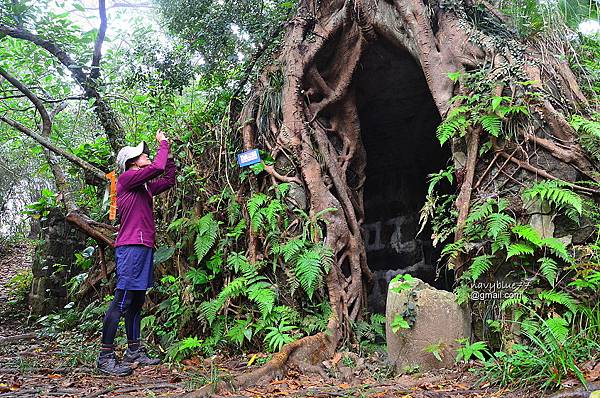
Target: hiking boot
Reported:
point(108, 364)
point(140, 357)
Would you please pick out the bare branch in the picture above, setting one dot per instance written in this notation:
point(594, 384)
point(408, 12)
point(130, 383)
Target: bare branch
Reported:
point(95, 72)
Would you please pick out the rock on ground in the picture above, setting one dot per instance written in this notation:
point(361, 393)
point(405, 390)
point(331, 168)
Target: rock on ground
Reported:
point(437, 321)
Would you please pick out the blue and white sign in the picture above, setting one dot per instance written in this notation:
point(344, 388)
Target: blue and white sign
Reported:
point(248, 158)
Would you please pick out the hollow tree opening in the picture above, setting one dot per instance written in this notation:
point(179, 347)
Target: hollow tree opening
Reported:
point(398, 118)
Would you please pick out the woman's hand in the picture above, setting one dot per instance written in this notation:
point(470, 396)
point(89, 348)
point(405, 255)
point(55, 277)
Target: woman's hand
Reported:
point(160, 136)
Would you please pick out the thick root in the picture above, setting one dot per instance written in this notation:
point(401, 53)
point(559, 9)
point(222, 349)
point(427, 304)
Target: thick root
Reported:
point(305, 354)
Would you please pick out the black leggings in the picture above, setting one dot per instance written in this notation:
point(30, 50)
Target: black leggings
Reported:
point(128, 303)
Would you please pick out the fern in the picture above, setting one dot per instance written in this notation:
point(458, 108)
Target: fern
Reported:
point(272, 211)
point(557, 328)
point(492, 124)
point(481, 264)
point(480, 211)
point(562, 298)
point(557, 194)
point(502, 242)
point(308, 271)
point(292, 247)
point(263, 295)
point(518, 298)
point(279, 335)
point(526, 232)
point(557, 248)
point(549, 269)
point(210, 309)
point(519, 249)
point(452, 250)
point(240, 331)
point(583, 125)
point(498, 223)
point(237, 261)
point(452, 126)
point(255, 202)
point(589, 133)
point(207, 231)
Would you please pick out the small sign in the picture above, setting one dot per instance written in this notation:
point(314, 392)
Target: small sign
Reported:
point(248, 158)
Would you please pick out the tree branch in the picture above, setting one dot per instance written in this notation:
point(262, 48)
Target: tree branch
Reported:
point(114, 131)
point(46, 122)
point(49, 145)
point(95, 72)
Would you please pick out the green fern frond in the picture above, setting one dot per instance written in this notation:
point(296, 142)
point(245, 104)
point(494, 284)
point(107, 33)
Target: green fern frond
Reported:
point(255, 203)
point(492, 124)
point(519, 249)
point(583, 125)
point(240, 331)
point(502, 242)
point(557, 193)
point(562, 298)
point(208, 229)
point(292, 247)
point(557, 248)
point(452, 250)
point(309, 271)
point(549, 269)
point(263, 295)
point(516, 299)
point(528, 233)
point(480, 211)
point(236, 261)
point(273, 211)
point(480, 265)
point(558, 328)
point(498, 223)
point(454, 125)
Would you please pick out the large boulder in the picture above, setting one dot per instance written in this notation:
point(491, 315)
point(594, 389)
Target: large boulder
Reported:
point(437, 322)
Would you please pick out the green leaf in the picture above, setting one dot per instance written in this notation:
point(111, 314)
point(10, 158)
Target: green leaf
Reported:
point(519, 249)
point(162, 254)
point(399, 323)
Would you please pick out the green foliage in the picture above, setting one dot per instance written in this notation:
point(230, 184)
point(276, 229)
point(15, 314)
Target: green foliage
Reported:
point(207, 230)
point(40, 209)
point(558, 195)
point(370, 332)
point(19, 286)
point(405, 282)
point(481, 109)
point(183, 349)
point(589, 132)
point(481, 264)
point(468, 350)
point(437, 349)
point(279, 335)
point(399, 323)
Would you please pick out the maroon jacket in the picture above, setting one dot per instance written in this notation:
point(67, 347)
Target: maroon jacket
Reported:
point(135, 189)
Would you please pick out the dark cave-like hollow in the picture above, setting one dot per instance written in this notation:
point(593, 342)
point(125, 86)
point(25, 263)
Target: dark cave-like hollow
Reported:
point(398, 119)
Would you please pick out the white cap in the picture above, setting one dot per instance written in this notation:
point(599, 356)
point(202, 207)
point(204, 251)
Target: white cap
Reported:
point(130, 152)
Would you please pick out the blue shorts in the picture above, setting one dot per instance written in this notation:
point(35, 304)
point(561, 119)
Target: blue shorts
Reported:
point(134, 267)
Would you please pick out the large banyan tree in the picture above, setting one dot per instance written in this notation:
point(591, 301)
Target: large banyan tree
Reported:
point(350, 69)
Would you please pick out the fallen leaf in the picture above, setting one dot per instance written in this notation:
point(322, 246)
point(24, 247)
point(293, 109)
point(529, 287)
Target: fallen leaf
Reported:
point(344, 385)
point(54, 376)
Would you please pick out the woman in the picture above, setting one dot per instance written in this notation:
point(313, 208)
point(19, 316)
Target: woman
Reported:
point(140, 180)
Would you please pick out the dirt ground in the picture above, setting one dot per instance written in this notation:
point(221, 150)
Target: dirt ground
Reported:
point(35, 364)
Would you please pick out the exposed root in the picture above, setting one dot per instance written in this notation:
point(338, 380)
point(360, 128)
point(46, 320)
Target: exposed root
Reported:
point(305, 354)
point(464, 197)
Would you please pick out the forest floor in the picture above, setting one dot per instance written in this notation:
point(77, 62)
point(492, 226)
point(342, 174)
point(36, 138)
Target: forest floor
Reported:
point(34, 363)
